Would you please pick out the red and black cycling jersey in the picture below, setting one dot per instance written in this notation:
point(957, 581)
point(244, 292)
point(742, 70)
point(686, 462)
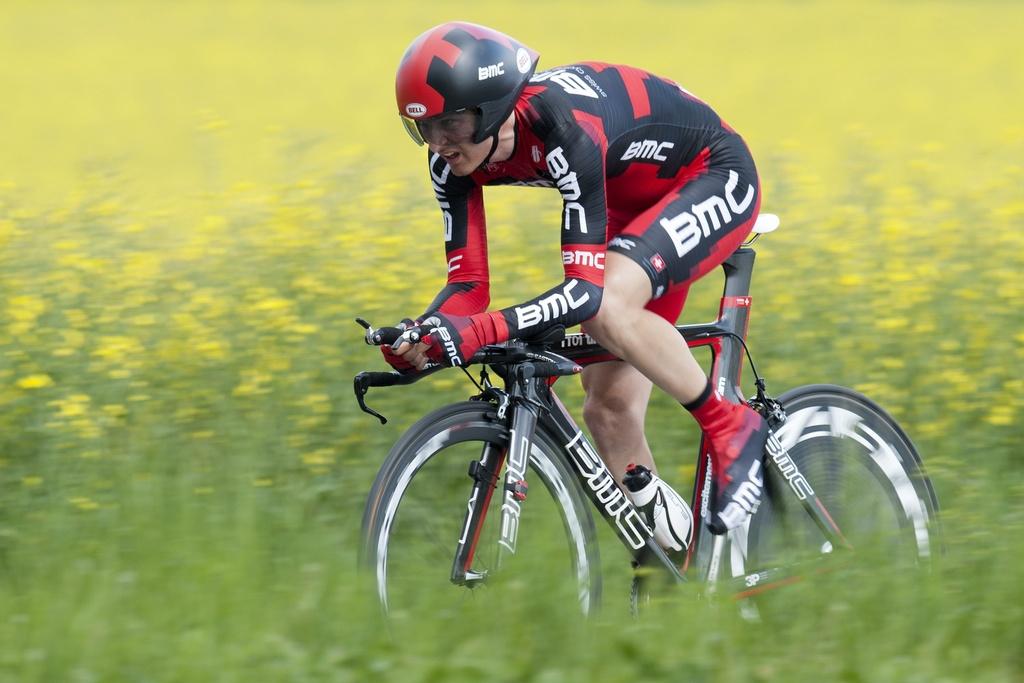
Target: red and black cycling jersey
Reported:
point(613, 140)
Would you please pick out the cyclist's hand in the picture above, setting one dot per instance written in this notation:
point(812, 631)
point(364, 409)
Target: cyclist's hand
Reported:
point(399, 353)
point(397, 360)
point(453, 339)
point(413, 354)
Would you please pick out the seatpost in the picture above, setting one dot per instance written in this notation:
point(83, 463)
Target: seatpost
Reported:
point(734, 317)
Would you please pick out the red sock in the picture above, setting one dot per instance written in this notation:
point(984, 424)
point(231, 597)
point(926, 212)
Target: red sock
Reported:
point(712, 412)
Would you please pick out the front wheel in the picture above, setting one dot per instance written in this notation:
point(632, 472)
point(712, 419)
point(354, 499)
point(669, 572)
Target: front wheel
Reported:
point(416, 512)
point(863, 468)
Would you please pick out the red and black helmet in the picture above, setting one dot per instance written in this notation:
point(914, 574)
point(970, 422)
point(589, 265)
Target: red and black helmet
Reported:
point(460, 66)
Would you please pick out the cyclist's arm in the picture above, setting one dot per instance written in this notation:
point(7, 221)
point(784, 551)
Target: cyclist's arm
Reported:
point(575, 160)
point(467, 290)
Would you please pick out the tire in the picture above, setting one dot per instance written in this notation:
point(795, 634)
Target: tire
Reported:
point(416, 508)
point(865, 470)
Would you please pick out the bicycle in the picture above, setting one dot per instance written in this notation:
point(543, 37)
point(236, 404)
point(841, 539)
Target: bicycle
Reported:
point(842, 474)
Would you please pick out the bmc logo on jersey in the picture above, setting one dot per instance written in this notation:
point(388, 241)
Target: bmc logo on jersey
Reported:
point(485, 72)
point(687, 229)
point(647, 149)
point(569, 186)
point(446, 339)
point(583, 258)
point(550, 307)
point(439, 178)
point(571, 83)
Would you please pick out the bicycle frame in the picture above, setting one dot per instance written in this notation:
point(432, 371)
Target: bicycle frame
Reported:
point(724, 337)
point(534, 405)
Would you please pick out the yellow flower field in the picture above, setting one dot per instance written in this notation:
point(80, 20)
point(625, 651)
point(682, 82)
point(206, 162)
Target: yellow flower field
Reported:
point(196, 199)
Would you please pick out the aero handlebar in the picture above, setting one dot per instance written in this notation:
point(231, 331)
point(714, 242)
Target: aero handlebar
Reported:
point(526, 360)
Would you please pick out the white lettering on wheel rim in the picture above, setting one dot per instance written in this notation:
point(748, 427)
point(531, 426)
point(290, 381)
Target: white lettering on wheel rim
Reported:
point(847, 424)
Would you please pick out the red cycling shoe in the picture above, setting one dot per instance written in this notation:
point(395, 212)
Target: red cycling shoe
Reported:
point(737, 482)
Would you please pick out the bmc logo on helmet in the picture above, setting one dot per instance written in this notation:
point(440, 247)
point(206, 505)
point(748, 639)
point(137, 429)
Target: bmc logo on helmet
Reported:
point(415, 109)
point(485, 72)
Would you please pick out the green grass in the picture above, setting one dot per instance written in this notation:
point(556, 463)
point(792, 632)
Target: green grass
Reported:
point(253, 585)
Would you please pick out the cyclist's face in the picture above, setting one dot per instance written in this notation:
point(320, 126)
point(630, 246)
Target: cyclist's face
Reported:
point(455, 127)
point(451, 136)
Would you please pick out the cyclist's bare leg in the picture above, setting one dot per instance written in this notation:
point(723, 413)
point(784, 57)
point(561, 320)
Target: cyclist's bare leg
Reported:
point(616, 404)
point(644, 339)
point(614, 410)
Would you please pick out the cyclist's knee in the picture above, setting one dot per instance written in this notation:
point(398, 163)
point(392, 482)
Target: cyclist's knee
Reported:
point(626, 280)
point(627, 289)
point(615, 314)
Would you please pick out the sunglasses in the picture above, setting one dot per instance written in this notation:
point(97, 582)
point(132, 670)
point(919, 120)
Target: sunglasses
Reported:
point(456, 127)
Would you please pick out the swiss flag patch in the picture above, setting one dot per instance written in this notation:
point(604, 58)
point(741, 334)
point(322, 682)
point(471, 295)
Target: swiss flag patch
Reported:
point(658, 263)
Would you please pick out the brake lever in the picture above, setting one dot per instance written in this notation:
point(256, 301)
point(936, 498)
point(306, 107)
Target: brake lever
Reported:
point(361, 384)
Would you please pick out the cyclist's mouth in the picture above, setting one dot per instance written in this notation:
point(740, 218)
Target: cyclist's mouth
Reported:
point(450, 156)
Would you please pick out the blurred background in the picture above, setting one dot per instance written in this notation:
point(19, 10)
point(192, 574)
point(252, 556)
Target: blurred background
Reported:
point(196, 199)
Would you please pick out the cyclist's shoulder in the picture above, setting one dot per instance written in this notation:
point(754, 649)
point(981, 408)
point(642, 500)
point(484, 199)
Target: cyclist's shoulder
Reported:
point(558, 101)
point(616, 95)
point(591, 72)
point(595, 81)
point(567, 87)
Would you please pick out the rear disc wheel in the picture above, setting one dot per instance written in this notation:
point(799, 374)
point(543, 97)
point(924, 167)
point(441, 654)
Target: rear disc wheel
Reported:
point(863, 468)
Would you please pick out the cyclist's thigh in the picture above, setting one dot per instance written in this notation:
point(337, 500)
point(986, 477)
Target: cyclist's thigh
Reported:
point(670, 304)
point(696, 227)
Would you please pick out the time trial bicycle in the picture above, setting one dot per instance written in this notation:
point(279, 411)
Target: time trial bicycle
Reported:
point(842, 475)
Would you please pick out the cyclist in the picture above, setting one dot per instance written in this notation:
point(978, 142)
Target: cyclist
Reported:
point(657, 191)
